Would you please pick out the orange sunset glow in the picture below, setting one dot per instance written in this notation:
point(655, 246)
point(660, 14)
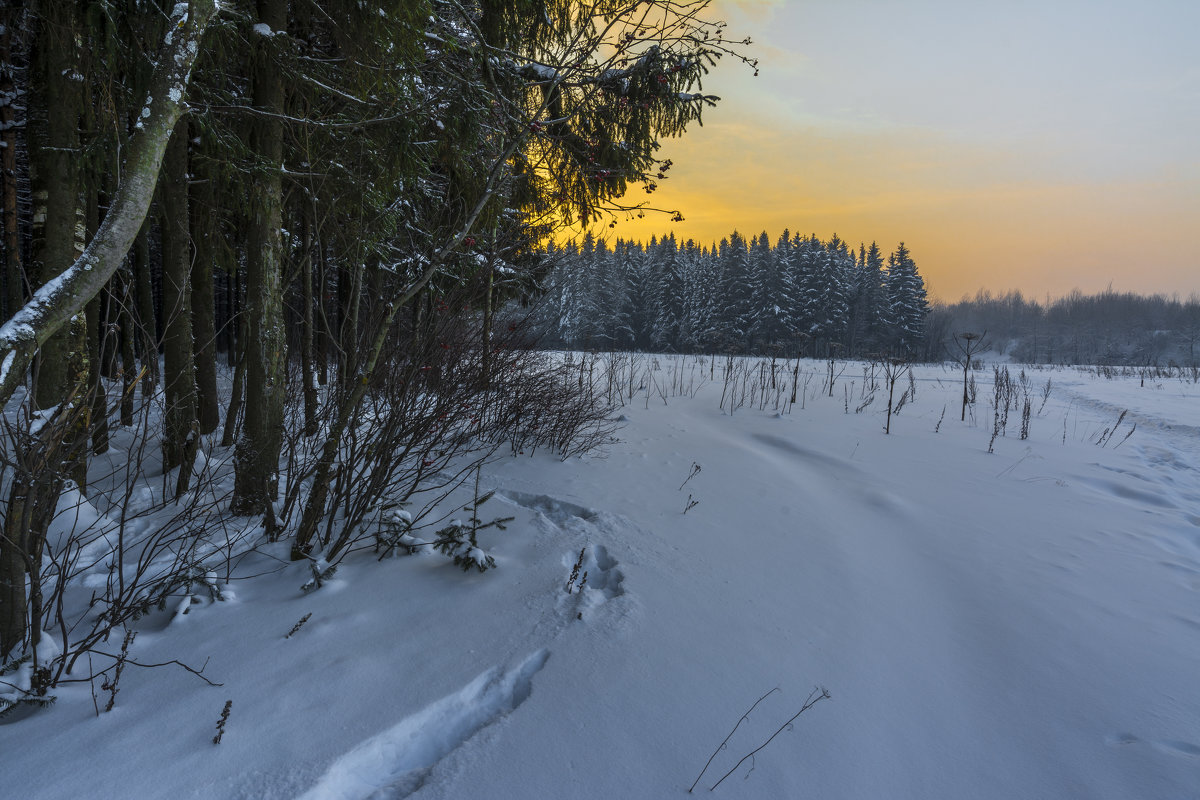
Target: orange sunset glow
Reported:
point(1032, 146)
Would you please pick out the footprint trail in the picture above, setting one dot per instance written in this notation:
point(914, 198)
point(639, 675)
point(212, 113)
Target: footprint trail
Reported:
point(398, 761)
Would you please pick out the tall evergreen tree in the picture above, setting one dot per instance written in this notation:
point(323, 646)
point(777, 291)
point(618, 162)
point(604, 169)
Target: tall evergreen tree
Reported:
point(737, 313)
point(666, 294)
point(907, 303)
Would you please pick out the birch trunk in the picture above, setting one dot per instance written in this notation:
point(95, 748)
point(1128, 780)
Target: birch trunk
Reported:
point(54, 305)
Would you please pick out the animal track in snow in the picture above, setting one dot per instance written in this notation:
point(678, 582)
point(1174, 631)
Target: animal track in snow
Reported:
point(560, 512)
point(605, 580)
point(398, 761)
point(603, 575)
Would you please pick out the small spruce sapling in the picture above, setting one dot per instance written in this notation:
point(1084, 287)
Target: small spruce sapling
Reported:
point(394, 536)
point(458, 539)
point(19, 686)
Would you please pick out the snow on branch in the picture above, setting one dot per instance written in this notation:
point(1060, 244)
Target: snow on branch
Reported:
point(54, 304)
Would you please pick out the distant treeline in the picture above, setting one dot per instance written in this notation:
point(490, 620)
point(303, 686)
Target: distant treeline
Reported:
point(1106, 328)
point(798, 296)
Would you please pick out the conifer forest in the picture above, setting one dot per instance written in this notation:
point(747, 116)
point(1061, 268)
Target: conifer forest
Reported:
point(358, 440)
point(290, 228)
point(797, 296)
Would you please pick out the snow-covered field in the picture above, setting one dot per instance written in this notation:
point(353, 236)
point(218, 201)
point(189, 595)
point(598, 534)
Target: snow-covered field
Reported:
point(1017, 624)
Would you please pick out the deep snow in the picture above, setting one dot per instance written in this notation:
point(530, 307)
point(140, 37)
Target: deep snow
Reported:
point(1024, 623)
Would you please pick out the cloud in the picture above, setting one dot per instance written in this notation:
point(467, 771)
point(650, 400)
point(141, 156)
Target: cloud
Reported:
point(1071, 165)
point(754, 9)
point(975, 215)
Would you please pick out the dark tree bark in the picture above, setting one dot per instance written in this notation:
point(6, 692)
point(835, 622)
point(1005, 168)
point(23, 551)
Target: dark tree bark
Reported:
point(237, 323)
point(55, 105)
point(307, 334)
point(349, 293)
point(11, 16)
point(96, 335)
point(127, 331)
point(179, 380)
point(324, 345)
point(203, 302)
point(143, 303)
point(53, 306)
point(256, 460)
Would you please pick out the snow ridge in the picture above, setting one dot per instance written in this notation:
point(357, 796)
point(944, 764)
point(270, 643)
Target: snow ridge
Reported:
point(398, 761)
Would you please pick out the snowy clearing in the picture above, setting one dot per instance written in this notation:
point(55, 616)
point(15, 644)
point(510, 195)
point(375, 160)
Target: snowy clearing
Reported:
point(1021, 623)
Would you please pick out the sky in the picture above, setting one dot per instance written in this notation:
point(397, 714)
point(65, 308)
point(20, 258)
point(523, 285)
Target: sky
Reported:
point(1040, 146)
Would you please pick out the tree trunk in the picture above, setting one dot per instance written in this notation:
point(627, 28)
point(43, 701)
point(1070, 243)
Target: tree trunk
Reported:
point(349, 292)
point(54, 305)
point(147, 326)
point(179, 380)
point(486, 360)
point(238, 323)
point(204, 328)
point(55, 102)
point(97, 330)
point(126, 332)
point(14, 274)
point(14, 604)
point(232, 331)
point(59, 226)
point(256, 460)
point(110, 345)
point(306, 330)
point(324, 336)
point(37, 483)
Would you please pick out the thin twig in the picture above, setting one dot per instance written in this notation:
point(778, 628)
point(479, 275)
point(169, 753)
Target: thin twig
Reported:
point(727, 738)
point(199, 673)
point(817, 695)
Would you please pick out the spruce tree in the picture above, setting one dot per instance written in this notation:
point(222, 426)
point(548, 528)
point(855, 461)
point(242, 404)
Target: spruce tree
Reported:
point(907, 303)
point(738, 307)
